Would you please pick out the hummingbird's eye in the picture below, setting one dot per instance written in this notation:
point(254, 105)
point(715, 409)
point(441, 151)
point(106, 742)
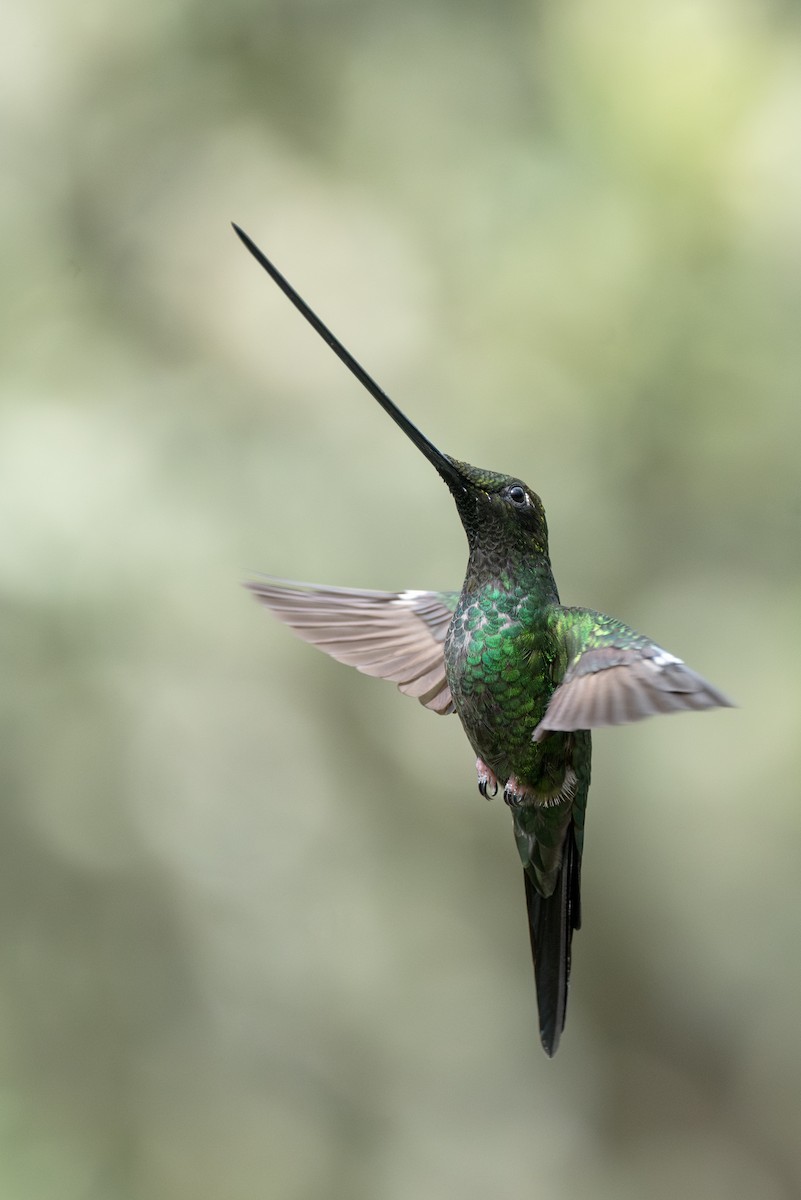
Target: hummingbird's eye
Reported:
point(517, 495)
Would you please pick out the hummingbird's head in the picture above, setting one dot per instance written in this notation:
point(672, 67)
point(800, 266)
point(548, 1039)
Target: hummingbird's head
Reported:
point(497, 510)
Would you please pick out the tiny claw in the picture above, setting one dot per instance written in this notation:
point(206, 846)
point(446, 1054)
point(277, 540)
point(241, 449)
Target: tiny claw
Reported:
point(486, 779)
point(514, 793)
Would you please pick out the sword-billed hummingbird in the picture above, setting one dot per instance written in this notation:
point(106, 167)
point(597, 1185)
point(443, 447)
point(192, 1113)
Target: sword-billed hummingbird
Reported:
point(527, 677)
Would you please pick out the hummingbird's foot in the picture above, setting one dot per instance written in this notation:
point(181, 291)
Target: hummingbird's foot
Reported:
point(486, 780)
point(515, 793)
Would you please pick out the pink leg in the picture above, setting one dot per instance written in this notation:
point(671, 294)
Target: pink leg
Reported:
point(486, 779)
point(515, 793)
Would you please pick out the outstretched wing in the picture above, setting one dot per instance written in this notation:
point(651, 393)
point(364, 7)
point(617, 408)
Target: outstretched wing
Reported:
point(392, 635)
point(616, 676)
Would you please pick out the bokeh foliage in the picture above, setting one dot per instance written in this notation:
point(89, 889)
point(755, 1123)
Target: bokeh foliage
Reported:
point(259, 935)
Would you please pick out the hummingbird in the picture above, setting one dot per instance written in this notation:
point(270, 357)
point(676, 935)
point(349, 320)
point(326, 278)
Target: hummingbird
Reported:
point(528, 677)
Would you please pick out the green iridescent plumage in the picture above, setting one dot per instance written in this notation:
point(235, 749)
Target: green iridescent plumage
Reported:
point(527, 677)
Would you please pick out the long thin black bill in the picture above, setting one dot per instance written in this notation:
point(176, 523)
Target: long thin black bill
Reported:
point(443, 464)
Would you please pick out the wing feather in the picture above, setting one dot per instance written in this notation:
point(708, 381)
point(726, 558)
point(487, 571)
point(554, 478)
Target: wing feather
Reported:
point(390, 635)
point(614, 685)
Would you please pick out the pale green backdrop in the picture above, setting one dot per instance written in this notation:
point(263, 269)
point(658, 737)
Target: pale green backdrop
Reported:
point(260, 939)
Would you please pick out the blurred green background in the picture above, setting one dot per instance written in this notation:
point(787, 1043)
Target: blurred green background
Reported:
point(259, 936)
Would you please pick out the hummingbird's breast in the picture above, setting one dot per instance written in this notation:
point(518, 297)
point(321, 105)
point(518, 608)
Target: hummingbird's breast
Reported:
point(499, 659)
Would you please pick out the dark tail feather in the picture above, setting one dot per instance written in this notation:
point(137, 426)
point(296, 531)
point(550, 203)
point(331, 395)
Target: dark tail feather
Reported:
point(551, 924)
